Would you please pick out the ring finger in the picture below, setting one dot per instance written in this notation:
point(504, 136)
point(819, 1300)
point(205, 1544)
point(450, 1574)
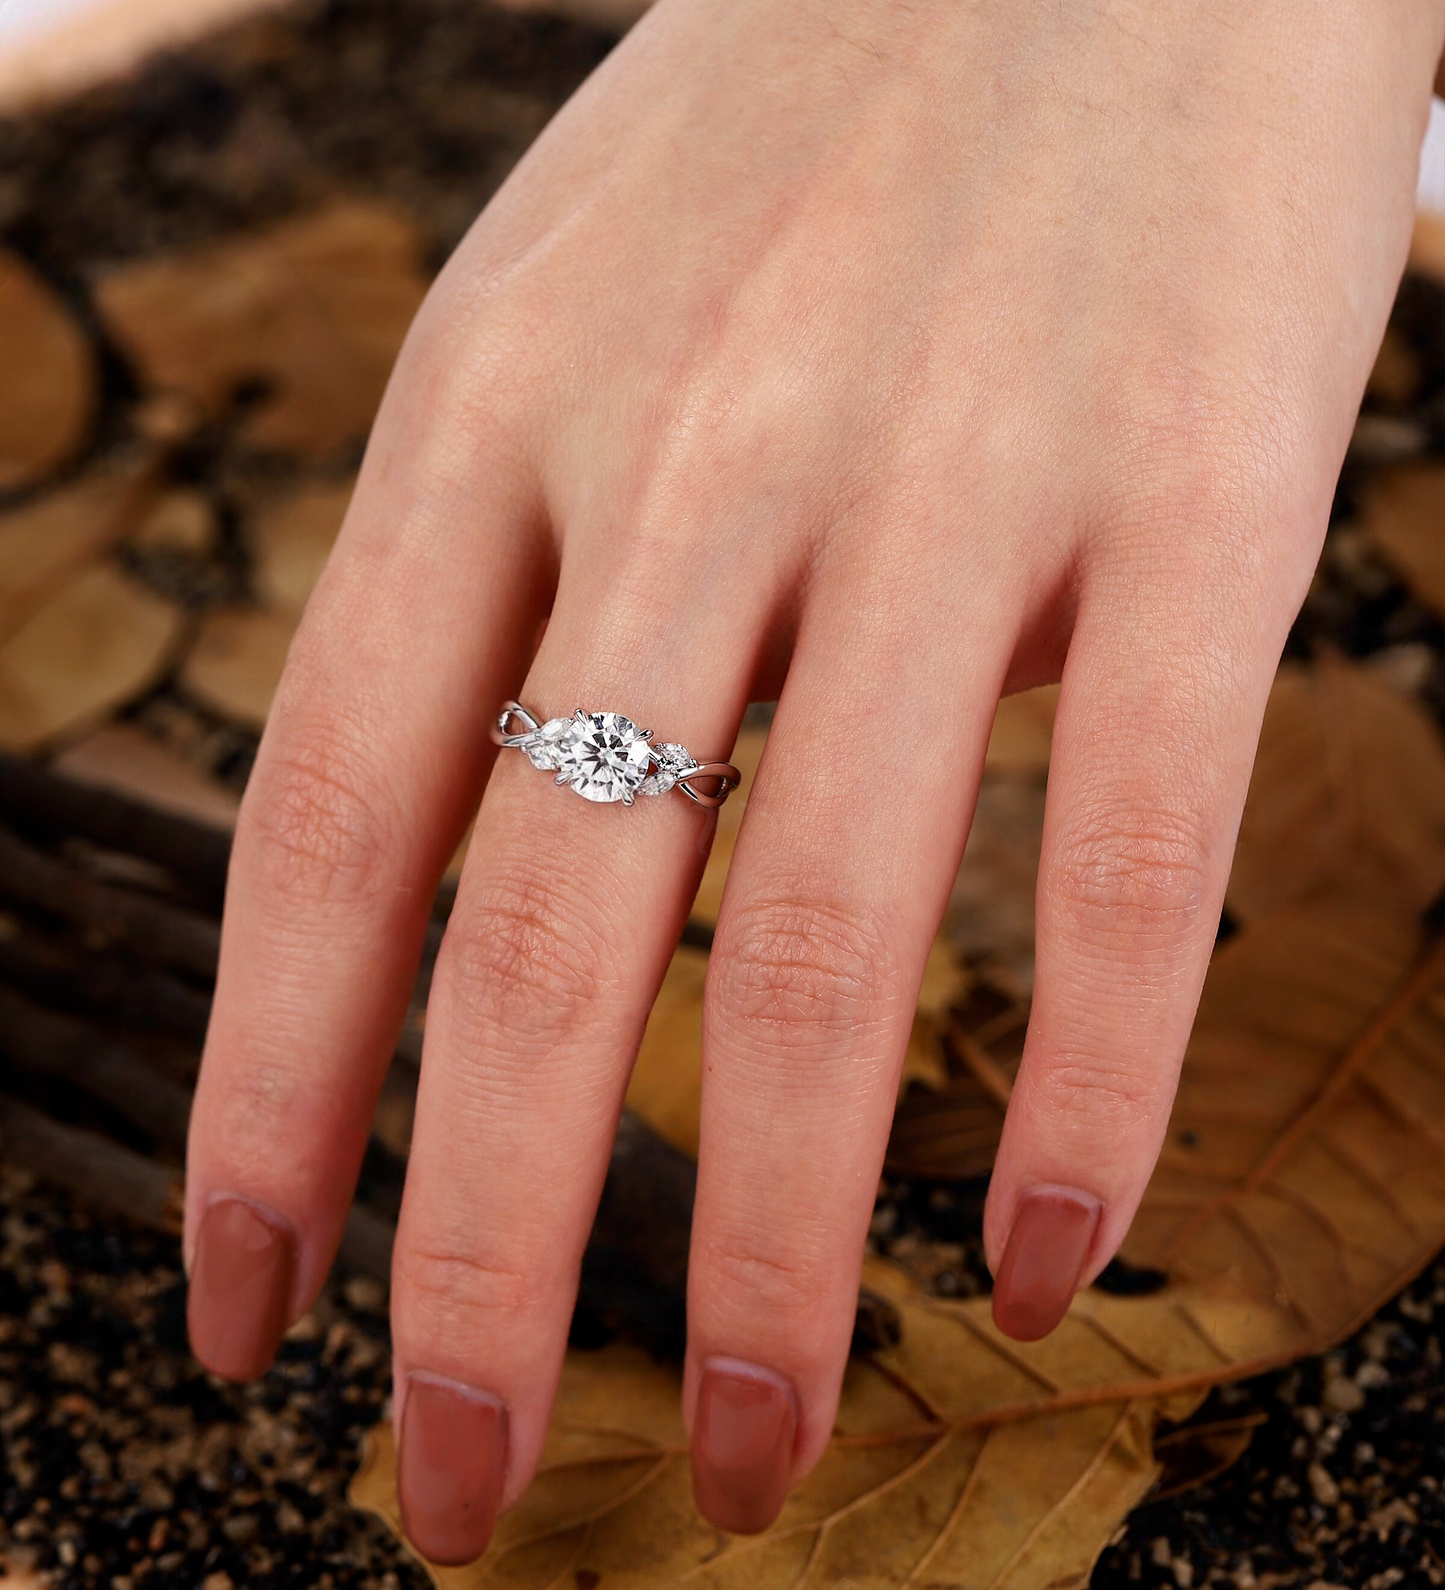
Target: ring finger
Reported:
point(566, 914)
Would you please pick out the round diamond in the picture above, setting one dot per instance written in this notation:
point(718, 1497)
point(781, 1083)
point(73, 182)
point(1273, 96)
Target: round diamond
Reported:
point(603, 756)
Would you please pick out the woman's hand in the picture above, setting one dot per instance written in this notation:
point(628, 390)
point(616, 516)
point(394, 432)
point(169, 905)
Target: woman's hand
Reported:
point(886, 357)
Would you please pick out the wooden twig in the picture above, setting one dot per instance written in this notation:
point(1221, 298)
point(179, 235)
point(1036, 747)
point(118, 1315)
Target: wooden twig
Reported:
point(68, 976)
point(152, 929)
point(101, 1172)
point(72, 1051)
point(46, 803)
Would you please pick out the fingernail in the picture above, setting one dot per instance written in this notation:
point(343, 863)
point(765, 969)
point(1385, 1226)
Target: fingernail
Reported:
point(1052, 1231)
point(239, 1300)
point(451, 1464)
point(742, 1445)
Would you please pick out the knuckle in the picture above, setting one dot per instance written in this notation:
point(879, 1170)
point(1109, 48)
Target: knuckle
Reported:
point(1132, 871)
point(316, 824)
point(522, 956)
point(805, 972)
point(442, 1290)
point(743, 1274)
point(1088, 1092)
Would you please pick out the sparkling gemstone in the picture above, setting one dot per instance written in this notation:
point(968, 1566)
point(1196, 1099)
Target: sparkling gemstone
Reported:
point(672, 761)
point(603, 756)
point(544, 745)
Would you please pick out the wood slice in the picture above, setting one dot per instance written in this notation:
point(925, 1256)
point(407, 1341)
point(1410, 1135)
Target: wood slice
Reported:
point(293, 541)
point(236, 662)
point(44, 543)
point(98, 642)
point(310, 314)
point(123, 759)
point(50, 390)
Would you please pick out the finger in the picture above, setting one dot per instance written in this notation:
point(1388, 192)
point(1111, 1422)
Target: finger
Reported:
point(1158, 719)
point(369, 767)
point(852, 838)
point(565, 918)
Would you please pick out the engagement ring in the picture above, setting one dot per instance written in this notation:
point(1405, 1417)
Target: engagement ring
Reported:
point(606, 757)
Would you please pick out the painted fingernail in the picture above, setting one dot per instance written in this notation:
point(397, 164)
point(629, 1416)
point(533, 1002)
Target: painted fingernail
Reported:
point(452, 1460)
point(238, 1305)
point(1052, 1231)
point(742, 1445)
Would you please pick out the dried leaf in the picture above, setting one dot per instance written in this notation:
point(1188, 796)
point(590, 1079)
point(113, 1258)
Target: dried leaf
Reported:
point(236, 662)
point(1284, 1211)
point(100, 640)
point(666, 1084)
point(1023, 733)
point(50, 390)
point(1348, 796)
point(45, 542)
point(123, 759)
point(293, 541)
point(313, 313)
point(991, 913)
point(1404, 515)
point(747, 753)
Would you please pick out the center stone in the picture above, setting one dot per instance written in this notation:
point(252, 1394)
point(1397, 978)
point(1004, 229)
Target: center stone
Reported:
point(603, 757)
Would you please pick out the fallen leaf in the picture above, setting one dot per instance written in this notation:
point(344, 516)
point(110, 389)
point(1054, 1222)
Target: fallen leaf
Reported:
point(747, 753)
point(1023, 733)
point(1348, 796)
point(1404, 515)
point(50, 390)
point(990, 918)
point(312, 314)
point(131, 763)
point(666, 1084)
point(236, 662)
point(293, 540)
point(98, 642)
point(1284, 1213)
point(45, 542)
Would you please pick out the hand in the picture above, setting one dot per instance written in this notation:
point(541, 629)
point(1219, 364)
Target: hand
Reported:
point(884, 357)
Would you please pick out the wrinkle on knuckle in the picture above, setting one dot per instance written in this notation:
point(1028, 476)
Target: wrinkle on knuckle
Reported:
point(1131, 871)
point(522, 957)
point(442, 1289)
point(1112, 1097)
point(762, 1281)
point(317, 825)
point(804, 972)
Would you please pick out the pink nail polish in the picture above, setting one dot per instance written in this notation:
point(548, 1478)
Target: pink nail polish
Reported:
point(742, 1445)
point(451, 1465)
point(238, 1303)
point(1047, 1249)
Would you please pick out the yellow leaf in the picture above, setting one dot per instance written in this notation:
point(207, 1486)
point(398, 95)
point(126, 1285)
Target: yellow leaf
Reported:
point(313, 313)
point(50, 390)
point(1348, 796)
point(99, 641)
point(1284, 1213)
point(666, 1084)
point(746, 755)
point(1404, 515)
point(1023, 733)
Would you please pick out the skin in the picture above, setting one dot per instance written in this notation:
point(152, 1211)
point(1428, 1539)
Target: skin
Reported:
point(878, 357)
